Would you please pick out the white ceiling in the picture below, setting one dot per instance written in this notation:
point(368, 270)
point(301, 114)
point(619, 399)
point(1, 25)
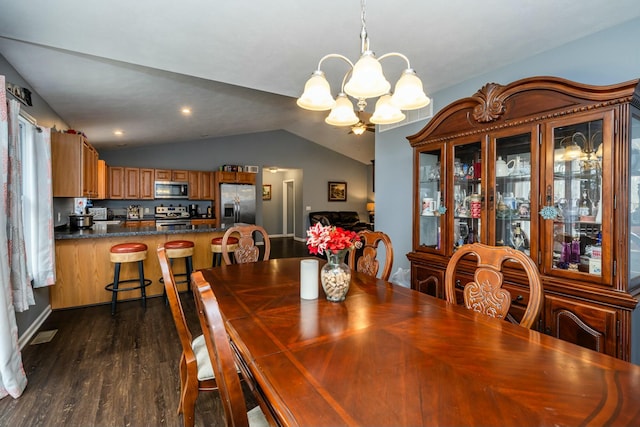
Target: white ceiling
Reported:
point(240, 65)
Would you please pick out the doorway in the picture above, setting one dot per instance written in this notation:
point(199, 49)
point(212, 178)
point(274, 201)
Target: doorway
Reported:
point(288, 208)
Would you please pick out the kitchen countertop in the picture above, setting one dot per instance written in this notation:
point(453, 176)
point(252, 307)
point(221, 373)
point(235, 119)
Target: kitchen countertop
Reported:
point(119, 230)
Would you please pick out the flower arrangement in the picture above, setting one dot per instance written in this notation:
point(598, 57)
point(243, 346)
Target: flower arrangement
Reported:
point(331, 239)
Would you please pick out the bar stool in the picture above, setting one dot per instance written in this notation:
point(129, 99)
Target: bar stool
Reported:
point(180, 249)
point(128, 252)
point(216, 248)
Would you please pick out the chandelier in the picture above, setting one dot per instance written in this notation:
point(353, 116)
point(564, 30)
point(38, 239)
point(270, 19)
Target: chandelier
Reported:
point(365, 80)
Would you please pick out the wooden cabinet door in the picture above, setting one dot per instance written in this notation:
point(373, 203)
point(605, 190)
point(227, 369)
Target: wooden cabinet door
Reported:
point(245, 178)
point(89, 170)
point(206, 185)
point(131, 183)
point(116, 182)
point(146, 184)
point(194, 185)
point(103, 179)
point(226, 177)
point(163, 174)
point(428, 281)
point(179, 175)
point(588, 325)
point(66, 165)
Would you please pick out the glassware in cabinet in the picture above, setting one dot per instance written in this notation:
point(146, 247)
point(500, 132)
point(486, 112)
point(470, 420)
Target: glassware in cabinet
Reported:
point(512, 223)
point(430, 199)
point(467, 198)
point(576, 241)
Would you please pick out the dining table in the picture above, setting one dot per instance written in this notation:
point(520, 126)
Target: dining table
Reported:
point(391, 356)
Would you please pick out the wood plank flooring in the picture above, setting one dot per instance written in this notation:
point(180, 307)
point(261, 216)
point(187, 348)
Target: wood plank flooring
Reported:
point(122, 370)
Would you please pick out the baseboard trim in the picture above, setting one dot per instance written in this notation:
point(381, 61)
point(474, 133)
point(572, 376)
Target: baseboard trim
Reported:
point(33, 328)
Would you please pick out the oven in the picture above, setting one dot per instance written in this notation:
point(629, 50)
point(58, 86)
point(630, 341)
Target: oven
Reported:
point(172, 218)
point(173, 224)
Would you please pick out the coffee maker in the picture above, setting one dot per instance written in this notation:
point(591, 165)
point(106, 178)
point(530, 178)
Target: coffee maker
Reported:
point(193, 210)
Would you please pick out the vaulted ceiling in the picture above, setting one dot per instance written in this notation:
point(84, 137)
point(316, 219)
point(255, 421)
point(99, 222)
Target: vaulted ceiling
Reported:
point(240, 66)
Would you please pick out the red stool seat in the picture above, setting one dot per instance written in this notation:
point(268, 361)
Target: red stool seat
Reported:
point(230, 241)
point(216, 248)
point(127, 248)
point(179, 244)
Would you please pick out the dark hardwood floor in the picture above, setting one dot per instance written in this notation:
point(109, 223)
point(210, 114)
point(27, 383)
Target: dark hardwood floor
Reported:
point(122, 370)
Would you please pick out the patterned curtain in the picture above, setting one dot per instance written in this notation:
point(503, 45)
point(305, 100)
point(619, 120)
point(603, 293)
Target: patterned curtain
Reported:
point(12, 377)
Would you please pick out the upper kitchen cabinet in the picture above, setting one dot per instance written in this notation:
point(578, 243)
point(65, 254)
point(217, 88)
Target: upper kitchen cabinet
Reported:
point(175, 175)
point(201, 185)
point(235, 177)
point(131, 183)
point(74, 164)
point(550, 168)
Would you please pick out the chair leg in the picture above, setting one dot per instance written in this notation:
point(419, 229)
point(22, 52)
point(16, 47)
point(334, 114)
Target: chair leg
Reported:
point(189, 270)
point(114, 296)
point(143, 292)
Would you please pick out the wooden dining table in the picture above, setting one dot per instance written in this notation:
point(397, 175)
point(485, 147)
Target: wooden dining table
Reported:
point(391, 356)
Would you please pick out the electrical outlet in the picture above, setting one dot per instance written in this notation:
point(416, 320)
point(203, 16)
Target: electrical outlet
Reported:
point(59, 217)
point(308, 208)
point(146, 210)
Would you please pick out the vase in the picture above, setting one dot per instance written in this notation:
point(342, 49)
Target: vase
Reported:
point(335, 276)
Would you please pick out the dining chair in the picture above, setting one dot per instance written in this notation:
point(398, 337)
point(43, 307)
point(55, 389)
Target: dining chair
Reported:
point(246, 249)
point(222, 359)
point(367, 262)
point(485, 293)
point(196, 373)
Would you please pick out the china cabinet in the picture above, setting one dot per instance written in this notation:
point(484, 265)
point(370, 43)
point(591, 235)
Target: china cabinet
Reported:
point(551, 168)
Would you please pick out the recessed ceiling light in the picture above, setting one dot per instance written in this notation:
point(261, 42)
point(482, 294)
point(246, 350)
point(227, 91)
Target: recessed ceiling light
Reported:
point(118, 132)
point(186, 111)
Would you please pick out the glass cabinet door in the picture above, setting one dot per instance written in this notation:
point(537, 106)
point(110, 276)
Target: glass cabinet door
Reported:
point(514, 193)
point(582, 200)
point(467, 198)
point(430, 203)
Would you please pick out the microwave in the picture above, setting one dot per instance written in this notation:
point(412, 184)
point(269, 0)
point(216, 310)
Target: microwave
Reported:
point(171, 190)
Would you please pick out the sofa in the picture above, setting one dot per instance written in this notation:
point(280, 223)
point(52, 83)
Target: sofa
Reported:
point(349, 220)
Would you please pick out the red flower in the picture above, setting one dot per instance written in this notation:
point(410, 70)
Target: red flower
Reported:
point(323, 238)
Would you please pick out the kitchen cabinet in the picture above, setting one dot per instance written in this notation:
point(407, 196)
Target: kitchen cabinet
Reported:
point(147, 184)
point(171, 175)
point(103, 180)
point(130, 183)
point(200, 185)
point(74, 164)
point(551, 168)
point(116, 182)
point(224, 177)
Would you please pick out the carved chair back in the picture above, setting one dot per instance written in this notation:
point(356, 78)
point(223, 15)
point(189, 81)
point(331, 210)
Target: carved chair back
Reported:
point(485, 293)
point(368, 263)
point(246, 251)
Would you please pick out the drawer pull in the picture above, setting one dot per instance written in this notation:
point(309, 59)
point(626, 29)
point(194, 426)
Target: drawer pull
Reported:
point(459, 285)
point(517, 299)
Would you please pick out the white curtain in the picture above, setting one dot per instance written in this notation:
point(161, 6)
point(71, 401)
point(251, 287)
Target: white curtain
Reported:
point(12, 377)
point(37, 203)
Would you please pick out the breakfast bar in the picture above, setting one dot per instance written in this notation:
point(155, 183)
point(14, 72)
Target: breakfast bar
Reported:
point(83, 268)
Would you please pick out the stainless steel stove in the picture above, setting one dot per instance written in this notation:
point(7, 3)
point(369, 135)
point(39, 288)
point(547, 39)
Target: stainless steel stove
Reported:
point(172, 217)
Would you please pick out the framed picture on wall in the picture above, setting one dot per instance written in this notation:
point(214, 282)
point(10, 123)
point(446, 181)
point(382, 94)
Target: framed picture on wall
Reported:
point(337, 191)
point(266, 192)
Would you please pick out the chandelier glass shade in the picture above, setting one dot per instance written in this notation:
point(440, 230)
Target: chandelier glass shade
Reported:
point(365, 80)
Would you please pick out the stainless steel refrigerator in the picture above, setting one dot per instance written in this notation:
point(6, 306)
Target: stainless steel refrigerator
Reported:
point(238, 204)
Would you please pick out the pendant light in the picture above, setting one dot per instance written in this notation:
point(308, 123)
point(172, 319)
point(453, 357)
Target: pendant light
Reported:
point(366, 80)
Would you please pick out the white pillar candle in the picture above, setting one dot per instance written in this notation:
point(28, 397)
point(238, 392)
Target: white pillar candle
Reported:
point(309, 279)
